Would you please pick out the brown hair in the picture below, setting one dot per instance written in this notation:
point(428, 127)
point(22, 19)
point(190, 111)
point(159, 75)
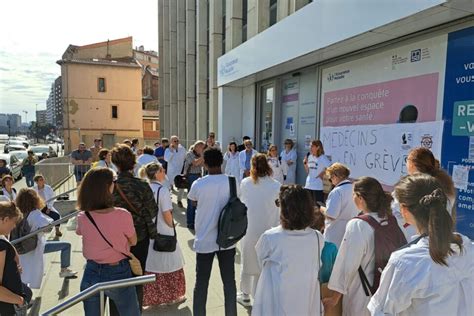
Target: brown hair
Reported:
point(423, 196)
point(5, 177)
point(148, 150)
point(259, 167)
point(339, 170)
point(318, 144)
point(425, 162)
point(103, 153)
point(9, 210)
point(376, 199)
point(270, 149)
point(94, 191)
point(123, 157)
point(28, 200)
point(289, 141)
point(319, 219)
point(296, 207)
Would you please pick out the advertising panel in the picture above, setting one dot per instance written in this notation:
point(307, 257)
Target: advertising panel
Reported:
point(458, 112)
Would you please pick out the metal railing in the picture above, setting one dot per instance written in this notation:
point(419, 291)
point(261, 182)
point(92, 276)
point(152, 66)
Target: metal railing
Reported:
point(99, 287)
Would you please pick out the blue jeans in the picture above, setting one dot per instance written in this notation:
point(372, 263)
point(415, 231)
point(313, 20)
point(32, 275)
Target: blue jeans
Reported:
point(191, 209)
point(64, 247)
point(29, 179)
point(125, 298)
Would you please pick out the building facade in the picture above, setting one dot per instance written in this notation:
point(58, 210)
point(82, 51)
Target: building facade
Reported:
point(101, 93)
point(54, 106)
point(41, 118)
point(10, 124)
point(148, 60)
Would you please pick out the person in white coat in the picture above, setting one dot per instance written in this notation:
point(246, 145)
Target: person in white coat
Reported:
point(145, 158)
point(279, 167)
point(231, 158)
point(358, 250)
point(434, 274)
point(245, 156)
point(290, 156)
point(170, 284)
point(315, 164)
point(290, 257)
point(340, 206)
point(258, 192)
point(47, 194)
point(175, 155)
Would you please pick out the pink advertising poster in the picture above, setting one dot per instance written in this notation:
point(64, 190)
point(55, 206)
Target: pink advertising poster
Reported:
point(412, 99)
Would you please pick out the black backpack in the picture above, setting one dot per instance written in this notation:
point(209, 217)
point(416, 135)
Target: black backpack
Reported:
point(23, 229)
point(232, 224)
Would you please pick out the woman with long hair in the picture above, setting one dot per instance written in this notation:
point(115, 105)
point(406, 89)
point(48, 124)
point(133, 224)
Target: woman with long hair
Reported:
point(358, 248)
point(315, 164)
point(258, 192)
point(7, 191)
point(278, 166)
point(289, 156)
point(434, 274)
point(170, 284)
point(290, 256)
point(107, 234)
point(231, 158)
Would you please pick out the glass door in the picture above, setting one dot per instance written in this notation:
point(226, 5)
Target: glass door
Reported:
point(267, 100)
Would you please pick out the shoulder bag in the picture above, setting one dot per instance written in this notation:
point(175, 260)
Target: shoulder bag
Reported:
point(164, 243)
point(135, 264)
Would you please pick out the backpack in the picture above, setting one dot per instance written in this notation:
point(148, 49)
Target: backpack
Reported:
point(23, 229)
point(388, 237)
point(232, 224)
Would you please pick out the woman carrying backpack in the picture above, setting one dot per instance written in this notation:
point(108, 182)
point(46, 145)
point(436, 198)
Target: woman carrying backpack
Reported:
point(358, 249)
point(434, 274)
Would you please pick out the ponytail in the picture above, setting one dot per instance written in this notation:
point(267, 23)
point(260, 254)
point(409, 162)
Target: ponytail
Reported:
point(424, 198)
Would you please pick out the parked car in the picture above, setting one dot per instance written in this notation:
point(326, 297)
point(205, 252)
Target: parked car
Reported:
point(14, 144)
point(13, 164)
point(19, 154)
point(39, 150)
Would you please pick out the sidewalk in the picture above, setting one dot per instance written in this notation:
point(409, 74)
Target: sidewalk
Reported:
point(55, 290)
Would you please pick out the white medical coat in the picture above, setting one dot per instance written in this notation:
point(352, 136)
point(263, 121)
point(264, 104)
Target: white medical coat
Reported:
point(357, 249)
point(175, 159)
point(288, 284)
point(232, 167)
point(413, 284)
point(291, 173)
point(279, 168)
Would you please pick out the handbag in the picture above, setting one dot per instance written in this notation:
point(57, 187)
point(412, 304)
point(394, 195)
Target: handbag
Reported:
point(165, 243)
point(135, 264)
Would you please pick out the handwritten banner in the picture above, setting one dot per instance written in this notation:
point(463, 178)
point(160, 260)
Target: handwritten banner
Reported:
point(380, 151)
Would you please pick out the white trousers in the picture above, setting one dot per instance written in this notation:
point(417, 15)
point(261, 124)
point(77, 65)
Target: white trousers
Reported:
point(248, 283)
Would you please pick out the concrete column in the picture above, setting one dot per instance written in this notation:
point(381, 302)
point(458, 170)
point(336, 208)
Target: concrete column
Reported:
point(215, 51)
point(173, 25)
point(258, 17)
point(191, 70)
point(295, 5)
point(181, 61)
point(165, 60)
point(202, 69)
point(230, 115)
point(161, 54)
point(233, 27)
point(283, 9)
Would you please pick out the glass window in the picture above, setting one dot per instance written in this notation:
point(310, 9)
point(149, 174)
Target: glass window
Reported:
point(273, 12)
point(114, 111)
point(266, 121)
point(244, 20)
point(101, 85)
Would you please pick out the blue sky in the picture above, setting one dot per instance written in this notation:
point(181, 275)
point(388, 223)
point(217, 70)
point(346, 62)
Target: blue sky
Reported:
point(36, 33)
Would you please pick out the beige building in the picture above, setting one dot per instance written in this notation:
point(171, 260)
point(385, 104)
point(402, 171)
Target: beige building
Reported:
point(102, 91)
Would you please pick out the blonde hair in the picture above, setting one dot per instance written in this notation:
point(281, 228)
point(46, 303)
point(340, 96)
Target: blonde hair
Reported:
point(339, 170)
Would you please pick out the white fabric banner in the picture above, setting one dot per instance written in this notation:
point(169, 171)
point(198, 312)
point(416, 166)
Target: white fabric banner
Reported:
point(380, 151)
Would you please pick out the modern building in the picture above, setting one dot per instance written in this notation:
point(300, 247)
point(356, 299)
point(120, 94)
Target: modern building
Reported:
point(102, 93)
point(10, 123)
point(346, 72)
point(41, 117)
point(54, 105)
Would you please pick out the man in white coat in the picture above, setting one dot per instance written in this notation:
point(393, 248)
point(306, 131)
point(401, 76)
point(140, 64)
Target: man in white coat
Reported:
point(174, 156)
point(245, 156)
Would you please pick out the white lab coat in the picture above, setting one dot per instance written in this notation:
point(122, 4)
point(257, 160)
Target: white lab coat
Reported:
point(288, 284)
point(262, 214)
point(291, 173)
point(175, 159)
point(341, 207)
point(279, 168)
point(232, 167)
point(33, 261)
point(357, 249)
point(413, 284)
point(47, 194)
point(242, 157)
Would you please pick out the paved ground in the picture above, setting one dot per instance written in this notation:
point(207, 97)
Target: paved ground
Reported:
point(56, 290)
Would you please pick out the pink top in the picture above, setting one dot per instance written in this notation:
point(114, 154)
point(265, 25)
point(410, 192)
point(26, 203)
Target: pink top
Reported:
point(116, 226)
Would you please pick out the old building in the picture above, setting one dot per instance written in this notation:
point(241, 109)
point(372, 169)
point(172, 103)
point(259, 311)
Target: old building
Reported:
point(148, 60)
point(102, 93)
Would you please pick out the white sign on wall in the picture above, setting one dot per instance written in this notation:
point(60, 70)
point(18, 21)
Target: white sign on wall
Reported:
point(380, 151)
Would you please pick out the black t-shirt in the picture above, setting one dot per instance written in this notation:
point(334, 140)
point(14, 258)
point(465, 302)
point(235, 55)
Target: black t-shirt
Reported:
point(11, 277)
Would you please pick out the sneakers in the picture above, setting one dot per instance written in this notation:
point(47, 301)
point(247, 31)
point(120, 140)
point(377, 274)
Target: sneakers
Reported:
point(67, 273)
point(244, 299)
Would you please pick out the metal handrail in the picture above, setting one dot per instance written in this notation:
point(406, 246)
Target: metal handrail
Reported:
point(99, 287)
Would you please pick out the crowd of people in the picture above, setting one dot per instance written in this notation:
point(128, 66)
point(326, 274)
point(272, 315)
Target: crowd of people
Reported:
point(358, 250)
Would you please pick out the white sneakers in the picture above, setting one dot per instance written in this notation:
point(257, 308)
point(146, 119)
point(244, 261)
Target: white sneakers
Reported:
point(244, 299)
point(67, 273)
